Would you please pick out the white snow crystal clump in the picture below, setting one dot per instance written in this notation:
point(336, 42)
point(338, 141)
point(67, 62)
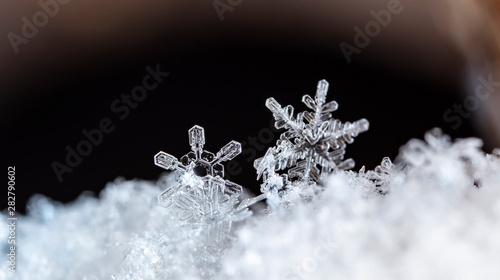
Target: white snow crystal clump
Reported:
point(433, 214)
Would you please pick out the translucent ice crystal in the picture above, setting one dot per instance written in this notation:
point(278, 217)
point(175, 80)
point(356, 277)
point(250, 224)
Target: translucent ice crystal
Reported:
point(313, 144)
point(203, 199)
point(374, 182)
point(379, 178)
point(200, 193)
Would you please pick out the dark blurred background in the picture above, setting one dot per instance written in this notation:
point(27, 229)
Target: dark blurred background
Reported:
point(87, 54)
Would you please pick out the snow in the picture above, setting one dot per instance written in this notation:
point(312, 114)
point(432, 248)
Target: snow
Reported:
point(433, 214)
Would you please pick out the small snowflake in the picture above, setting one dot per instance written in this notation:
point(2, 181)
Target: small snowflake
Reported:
point(380, 178)
point(200, 192)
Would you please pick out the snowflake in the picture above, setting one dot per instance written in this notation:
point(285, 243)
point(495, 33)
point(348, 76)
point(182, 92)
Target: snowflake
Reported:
point(200, 193)
point(313, 144)
point(377, 180)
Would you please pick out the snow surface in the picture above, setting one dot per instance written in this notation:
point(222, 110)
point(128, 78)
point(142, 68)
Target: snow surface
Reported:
point(434, 214)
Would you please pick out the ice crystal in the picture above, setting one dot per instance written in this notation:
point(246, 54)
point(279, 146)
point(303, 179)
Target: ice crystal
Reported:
point(374, 182)
point(200, 193)
point(381, 176)
point(313, 144)
point(202, 197)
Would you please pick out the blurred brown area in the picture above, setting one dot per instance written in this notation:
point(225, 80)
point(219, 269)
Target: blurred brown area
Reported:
point(474, 26)
point(83, 33)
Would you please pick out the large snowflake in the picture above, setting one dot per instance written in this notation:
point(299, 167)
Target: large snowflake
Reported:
point(313, 144)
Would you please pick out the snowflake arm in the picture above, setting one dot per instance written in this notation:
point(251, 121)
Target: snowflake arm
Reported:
point(284, 116)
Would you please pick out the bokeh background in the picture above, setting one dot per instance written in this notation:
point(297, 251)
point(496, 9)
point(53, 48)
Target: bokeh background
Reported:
point(225, 58)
